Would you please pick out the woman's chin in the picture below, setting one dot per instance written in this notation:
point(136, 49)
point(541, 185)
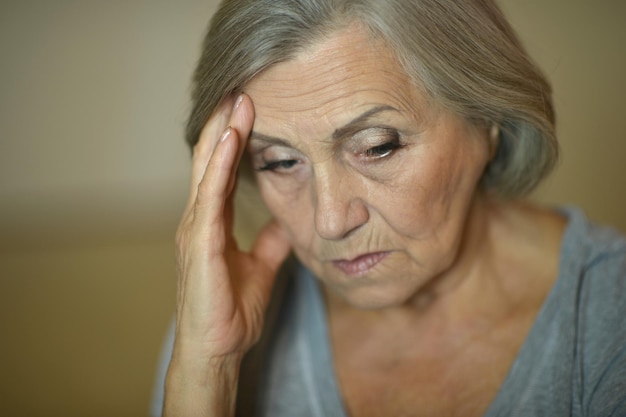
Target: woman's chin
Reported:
point(374, 298)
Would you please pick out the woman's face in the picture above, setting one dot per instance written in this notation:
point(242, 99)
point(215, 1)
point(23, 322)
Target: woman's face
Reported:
point(372, 182)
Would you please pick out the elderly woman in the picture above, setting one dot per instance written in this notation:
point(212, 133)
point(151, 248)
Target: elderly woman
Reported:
point(391, 141)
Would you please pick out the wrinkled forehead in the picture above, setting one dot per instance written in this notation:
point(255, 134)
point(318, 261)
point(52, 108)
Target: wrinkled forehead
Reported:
point(328, 84)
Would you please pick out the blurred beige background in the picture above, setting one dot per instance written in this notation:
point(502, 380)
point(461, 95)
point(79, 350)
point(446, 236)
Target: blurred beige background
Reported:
point(93, 176)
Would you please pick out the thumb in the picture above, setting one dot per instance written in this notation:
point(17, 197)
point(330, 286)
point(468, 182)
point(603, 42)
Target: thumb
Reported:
point(271, 246)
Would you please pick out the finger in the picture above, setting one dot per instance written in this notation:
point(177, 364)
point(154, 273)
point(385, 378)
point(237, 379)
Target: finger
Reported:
point(213, 129)
point(242, 117)
point(207, 141)
point(229, 220)
point(242, 121)
point(208, 209)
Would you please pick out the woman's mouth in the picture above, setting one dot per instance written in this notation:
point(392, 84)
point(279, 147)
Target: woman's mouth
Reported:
point(361, 264)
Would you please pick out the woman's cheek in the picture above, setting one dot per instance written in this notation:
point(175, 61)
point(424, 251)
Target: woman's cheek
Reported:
point(287, 199)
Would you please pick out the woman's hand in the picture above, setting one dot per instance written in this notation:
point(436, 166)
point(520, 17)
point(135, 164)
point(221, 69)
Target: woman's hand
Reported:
point(222, 291)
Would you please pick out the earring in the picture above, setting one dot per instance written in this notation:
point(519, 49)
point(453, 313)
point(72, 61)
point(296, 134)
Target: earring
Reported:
point(494, 140)
point(494, 132)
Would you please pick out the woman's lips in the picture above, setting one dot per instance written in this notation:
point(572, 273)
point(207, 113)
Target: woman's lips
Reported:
point(360, 264)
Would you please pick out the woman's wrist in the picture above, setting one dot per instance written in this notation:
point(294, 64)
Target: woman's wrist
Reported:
point(202, 389)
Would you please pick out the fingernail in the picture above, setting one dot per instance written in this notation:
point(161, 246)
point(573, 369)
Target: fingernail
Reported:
point(238, 102)
point(226, 134)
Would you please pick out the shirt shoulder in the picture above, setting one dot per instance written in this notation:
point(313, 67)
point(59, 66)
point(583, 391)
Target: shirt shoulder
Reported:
point(599, 254)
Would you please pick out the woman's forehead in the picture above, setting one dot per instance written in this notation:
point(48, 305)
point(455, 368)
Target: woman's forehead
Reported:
point(332, 81)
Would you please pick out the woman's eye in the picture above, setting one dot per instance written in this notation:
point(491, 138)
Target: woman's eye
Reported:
point(278, 166)
point(383, 150)
point(376, 142)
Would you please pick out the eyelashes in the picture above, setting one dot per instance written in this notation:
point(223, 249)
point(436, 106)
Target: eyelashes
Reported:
point(389, 146)
point(284, 164)
point(368, 146)
point(382, 151)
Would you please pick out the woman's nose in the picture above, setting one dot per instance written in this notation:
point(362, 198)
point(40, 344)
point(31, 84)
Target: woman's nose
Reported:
point(339, 209)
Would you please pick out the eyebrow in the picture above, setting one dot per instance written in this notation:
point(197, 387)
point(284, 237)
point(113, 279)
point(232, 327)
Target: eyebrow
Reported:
point(358, 122)
point(350, 128)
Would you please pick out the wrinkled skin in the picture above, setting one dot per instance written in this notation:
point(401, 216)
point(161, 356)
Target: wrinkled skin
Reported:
point(400, 182)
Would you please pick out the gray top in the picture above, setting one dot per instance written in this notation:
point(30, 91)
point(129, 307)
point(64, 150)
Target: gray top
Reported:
point(573, 362)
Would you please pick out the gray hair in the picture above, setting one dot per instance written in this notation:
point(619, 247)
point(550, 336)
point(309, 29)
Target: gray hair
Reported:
point(462, 53)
